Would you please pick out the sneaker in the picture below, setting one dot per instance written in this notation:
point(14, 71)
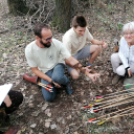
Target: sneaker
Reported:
point(115, 79)
point(87, 78)
point(89, 64)
point(69, 90)
point(2, 132)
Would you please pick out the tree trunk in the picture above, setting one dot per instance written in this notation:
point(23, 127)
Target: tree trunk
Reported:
point(63, 14)
point(17, 7)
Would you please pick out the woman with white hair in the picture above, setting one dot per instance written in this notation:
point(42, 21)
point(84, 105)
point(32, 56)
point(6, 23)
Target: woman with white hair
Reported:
point(123, 61)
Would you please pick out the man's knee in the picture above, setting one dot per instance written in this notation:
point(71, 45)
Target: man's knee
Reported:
point(75, 75)
point(59, 79)
point(98, 48)
point(50, 97)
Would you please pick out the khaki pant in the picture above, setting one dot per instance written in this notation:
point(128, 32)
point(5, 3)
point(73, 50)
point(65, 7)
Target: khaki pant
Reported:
point(117, 67)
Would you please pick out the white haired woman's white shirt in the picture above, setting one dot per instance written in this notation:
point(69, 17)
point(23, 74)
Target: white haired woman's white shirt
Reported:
point(126, 53)
point(124, 59)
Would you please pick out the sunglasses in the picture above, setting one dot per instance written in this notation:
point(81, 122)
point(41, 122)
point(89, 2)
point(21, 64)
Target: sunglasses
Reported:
point(48, 39)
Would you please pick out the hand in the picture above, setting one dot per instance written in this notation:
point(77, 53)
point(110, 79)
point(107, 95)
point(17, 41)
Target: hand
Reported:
point(87, 69)
point(104, 44)
point(93, 77)
point(130, 73)
point(56, 84)
point(7, 101)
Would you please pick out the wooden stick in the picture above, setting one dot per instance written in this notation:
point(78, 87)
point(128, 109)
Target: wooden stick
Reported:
point(41, 84)
point(118, 116)
point(114, 104)
point(117, 104)
point(115, 112)
point(106, 119)
point(116, 95)
point(126, 111)
point(120, 91)
point(116, 100)
point(105, 103)
point(47, 87)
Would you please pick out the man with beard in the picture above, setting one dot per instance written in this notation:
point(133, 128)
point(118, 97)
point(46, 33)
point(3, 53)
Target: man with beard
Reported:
point(46, 56)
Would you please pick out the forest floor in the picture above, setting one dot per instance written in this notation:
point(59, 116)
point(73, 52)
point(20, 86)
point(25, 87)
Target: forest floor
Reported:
point(64, 115)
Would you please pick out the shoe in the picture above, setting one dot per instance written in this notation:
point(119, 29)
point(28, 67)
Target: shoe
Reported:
point(1, 132)
point(115, 79)
point(69, 90)
point(89, 64)
point(87, 78)
point(7, 118)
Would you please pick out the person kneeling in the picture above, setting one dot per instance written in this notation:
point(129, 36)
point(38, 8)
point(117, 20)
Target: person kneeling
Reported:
point(123, 61)
point(46, 56)
point(9, 105)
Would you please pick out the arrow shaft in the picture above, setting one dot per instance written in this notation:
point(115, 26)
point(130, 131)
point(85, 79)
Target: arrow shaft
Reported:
point(115, 105)
point(119, 92)
point(114, 100)
point(116, 95)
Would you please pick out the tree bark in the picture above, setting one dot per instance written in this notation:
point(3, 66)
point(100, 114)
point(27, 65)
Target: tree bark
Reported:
point(17, 7)
point(63, 14)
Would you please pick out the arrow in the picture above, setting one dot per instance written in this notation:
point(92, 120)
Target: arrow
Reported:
point(106, 119)
point(103, 102)
point(91, 105)
point(115, 93)
point(100, 120)
point(106, 102)
point(108, 97)
point(112, 105)
point(47, 87)
point(128, 85)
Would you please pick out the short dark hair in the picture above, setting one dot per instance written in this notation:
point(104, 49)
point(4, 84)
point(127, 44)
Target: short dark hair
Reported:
point(79, 20)
point(38, 28)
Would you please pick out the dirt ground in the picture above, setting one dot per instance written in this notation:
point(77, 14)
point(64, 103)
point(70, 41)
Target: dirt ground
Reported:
point(64, 115)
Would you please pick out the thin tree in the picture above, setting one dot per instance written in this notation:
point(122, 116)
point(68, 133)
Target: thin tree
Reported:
point(17, 7)
point(63, 14)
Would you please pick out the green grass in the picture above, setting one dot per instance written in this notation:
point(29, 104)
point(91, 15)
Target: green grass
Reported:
point(5, 46)
point(10, 23)
point(101, 29)
point(120, 26)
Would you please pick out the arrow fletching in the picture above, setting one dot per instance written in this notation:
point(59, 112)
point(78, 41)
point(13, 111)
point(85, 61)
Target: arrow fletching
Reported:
point(95, 121)
point(86, 107)
point(49, 86)
point(97, 110)
point(98, 100)
point(127, 85)
point(101, 122)
point(99, 97)
point(91, 120)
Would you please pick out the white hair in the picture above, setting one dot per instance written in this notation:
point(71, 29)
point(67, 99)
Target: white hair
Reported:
point(128, 26)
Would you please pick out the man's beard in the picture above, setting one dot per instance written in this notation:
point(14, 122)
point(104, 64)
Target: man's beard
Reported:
point(45, 45)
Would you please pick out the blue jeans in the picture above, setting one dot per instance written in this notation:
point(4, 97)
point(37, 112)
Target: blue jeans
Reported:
point(58, 76)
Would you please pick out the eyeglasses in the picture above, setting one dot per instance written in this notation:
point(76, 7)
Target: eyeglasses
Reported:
point(48, 39)
point(129, 33)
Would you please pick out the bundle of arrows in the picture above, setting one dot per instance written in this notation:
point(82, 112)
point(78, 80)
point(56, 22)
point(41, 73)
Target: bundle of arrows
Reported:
point(112, 101)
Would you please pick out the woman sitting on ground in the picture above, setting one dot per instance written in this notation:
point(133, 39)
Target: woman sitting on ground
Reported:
point(10, 104)
point(123, 61)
